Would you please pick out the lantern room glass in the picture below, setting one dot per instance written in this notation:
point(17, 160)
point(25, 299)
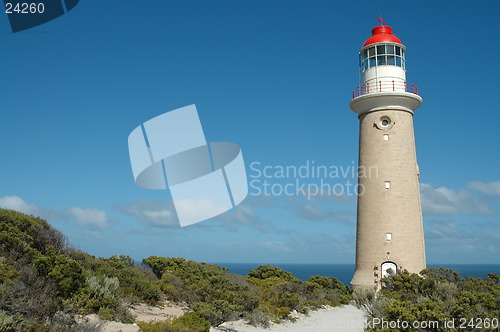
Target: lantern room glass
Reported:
point(382, 55)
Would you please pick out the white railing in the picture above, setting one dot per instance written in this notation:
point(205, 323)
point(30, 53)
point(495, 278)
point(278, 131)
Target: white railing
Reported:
point(384, 86)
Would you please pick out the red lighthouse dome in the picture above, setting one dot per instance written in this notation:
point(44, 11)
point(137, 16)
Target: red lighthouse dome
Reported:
point(382, 34)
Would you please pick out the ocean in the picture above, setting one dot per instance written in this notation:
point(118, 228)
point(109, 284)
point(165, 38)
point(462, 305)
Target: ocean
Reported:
point(344, 272)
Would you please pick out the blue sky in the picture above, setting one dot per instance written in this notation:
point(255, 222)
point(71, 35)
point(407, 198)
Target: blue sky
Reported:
point(275, 77)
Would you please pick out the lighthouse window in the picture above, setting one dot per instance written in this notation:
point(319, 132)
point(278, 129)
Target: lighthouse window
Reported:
point(371, 51)
point(380, 49)
point(390, 60)
point(398, 50)
point(390, 49)
point(381, 61)
point(398, 61)
point(384, 123)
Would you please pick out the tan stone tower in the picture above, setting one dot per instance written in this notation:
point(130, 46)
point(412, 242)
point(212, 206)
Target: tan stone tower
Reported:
point(389, 234)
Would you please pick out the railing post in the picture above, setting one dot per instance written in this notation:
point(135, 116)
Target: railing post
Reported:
point(380, 86)
point(393, 86)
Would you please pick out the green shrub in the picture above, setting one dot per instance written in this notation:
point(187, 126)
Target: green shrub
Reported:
point(208, 288)
point(106, 287)
point(216, 312)
point(190, 322)
point(286, 299)
point(163, 326)
point(7, 322)
point(193, 321)
point(436, 295)
point(7, 272)
point(269, 271)
point(135, 284)
point(106, 313)
point(259, 317)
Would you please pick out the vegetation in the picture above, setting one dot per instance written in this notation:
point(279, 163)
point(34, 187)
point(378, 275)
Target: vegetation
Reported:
point(280, 293)
point(190, 322)
point(45, 284)
point(267, 293)
point(429, 300)
point(211, 292)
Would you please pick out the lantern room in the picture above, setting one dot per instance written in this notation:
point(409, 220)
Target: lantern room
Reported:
point(382, 64)
point(382, 69)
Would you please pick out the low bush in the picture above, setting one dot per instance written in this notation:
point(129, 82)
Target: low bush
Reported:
point(44, 284)
point(190, 322)
point(435, 295)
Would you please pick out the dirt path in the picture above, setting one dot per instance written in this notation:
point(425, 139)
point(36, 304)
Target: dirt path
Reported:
point(339, 319)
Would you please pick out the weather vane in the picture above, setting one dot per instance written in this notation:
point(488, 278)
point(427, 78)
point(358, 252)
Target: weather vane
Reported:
point(382, 22)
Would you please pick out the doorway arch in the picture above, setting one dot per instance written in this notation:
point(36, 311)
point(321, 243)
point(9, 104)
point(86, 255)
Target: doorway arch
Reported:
point(389, 268)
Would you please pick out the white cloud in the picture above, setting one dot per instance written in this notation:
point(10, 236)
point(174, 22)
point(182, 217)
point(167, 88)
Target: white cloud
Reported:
point(491, 188)
point(158, 215)
point(89, 217)
point(274, 246)
point(446, 236)
point(310, 211)
point(248, 214)
point(18, 204)
point(244, 214)
point(164, 215)
point(152, 213)
point(444, 229)
point(445, 201)
point(192, 211)
point(84, 216)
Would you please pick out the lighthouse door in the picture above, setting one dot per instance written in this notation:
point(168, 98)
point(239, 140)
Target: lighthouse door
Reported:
point(388, 268)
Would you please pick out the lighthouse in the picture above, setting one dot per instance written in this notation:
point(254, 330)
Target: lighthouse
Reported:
point(389, 229)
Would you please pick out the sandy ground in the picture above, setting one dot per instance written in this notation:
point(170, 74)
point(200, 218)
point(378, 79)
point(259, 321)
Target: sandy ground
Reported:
point(339, 319)
point(145, 313)
point(142, 313)
point(92, 323)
